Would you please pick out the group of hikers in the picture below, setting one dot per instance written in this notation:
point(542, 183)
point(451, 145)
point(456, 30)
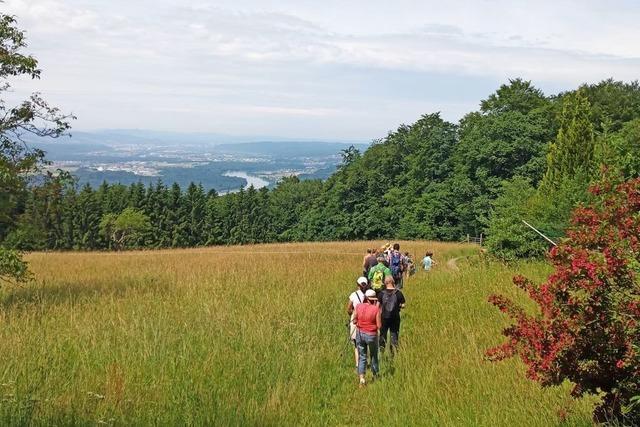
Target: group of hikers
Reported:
point(375, 305)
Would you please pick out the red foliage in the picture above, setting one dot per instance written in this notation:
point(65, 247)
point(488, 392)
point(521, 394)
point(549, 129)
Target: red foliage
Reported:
point(586, 330)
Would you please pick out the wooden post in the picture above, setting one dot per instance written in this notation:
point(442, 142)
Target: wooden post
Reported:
point(480, 239)
point(467, 237)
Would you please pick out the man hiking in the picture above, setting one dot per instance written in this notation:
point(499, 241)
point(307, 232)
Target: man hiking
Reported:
point(368, 262)
point(377, 274)
point(356, 298)
point(391, 302)
point(368, 322)
point(397, 265)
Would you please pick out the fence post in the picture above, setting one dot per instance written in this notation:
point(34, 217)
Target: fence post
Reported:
point(467, 237)
point(480, 239)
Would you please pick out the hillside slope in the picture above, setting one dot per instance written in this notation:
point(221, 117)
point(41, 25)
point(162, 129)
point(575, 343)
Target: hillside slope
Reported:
point(255, 335)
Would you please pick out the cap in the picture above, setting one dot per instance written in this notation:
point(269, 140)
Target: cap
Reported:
point(371, 295)
point(362, 281)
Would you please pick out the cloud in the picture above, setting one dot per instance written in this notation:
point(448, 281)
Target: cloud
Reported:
point(255, 110)
point(371, 63)
point(463, 54)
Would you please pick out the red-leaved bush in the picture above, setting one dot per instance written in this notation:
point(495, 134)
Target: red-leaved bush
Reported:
point(587, 330)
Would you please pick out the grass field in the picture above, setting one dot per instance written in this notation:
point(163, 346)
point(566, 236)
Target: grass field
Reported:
point(256, 335)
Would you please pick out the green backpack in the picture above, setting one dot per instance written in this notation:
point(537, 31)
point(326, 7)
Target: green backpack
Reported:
point(377, 281)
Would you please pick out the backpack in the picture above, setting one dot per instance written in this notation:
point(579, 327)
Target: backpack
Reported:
point(390, 306)
point(377, 281)
point(395, 264)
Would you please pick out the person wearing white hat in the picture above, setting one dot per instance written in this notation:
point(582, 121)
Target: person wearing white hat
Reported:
point(368, 320)
point(356, 298)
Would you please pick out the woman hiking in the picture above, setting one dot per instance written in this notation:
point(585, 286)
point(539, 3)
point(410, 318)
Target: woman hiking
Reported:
point(356, 298)
point(377, 274)
point(368, 321)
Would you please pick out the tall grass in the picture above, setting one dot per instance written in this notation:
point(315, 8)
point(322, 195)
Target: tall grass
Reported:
point(256, 335)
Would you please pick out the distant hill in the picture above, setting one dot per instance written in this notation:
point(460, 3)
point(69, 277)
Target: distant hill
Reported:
point(289, 148)
point(144, 137)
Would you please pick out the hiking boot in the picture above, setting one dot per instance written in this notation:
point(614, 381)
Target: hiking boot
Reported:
point(362, 383)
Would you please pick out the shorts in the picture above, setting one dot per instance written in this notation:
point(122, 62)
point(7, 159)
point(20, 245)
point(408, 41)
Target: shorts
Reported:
point(353, 330)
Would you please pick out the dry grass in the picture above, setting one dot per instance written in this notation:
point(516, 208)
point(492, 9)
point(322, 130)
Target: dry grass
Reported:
point(255, 335)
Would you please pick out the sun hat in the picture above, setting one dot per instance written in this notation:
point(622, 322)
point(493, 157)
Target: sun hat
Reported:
point(362, 281)
point(371, 295)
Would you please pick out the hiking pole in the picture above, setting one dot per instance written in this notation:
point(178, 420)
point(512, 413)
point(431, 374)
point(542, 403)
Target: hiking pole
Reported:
point(540, 233)
point(348, 341)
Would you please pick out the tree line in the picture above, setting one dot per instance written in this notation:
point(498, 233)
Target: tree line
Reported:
point(522, 156)
point(55, 214)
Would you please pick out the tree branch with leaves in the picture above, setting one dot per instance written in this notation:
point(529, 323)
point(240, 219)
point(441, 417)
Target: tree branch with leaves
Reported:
point(32, 118)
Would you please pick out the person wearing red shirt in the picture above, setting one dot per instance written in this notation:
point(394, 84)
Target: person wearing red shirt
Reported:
point(368, 322)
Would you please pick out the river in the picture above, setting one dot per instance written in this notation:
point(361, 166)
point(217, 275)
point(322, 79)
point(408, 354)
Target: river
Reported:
point(256, 181)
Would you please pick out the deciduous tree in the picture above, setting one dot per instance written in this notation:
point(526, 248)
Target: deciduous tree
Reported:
point(124, 229)
point(32, 117)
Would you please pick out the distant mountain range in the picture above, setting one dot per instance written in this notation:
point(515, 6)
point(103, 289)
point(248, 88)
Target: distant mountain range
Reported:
point(137, 136)
point(288, 149)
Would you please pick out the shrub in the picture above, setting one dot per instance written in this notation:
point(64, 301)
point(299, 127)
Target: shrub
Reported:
point(13, 269)
point(508, 238)
point(586, 330)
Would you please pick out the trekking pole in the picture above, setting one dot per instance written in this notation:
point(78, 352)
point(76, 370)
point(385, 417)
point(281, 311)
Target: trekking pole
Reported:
point(349, 333)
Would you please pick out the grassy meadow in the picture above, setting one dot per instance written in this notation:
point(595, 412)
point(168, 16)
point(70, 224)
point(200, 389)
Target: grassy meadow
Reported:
point(256, 335)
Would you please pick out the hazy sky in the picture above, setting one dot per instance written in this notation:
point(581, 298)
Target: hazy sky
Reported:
point(319, 69)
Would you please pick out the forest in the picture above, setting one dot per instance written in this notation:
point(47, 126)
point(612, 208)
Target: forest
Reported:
point(522, 156)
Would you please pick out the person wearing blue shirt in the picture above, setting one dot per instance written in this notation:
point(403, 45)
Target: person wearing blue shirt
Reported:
point(427, 261)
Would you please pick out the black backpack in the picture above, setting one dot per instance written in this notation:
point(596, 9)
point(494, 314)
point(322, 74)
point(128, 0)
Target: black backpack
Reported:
point(390, 306)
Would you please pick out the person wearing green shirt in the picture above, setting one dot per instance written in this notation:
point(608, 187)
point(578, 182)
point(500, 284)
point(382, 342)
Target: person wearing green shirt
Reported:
point(378, 273)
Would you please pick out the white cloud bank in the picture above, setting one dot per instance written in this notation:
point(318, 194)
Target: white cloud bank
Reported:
point(314, 69)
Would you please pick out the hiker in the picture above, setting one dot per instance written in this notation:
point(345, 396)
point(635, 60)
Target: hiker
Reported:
point(391, 302)
point(411, 265)
point(368, 262)
point(356, 298)
point(428, 261)
point(377, 274)
point(386, 249)
point(384, 254)
point(368, 323)
point(382, 251)
point(397, 265)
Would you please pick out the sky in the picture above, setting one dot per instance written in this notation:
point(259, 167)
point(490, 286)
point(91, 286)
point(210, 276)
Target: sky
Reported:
point(351, 70)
